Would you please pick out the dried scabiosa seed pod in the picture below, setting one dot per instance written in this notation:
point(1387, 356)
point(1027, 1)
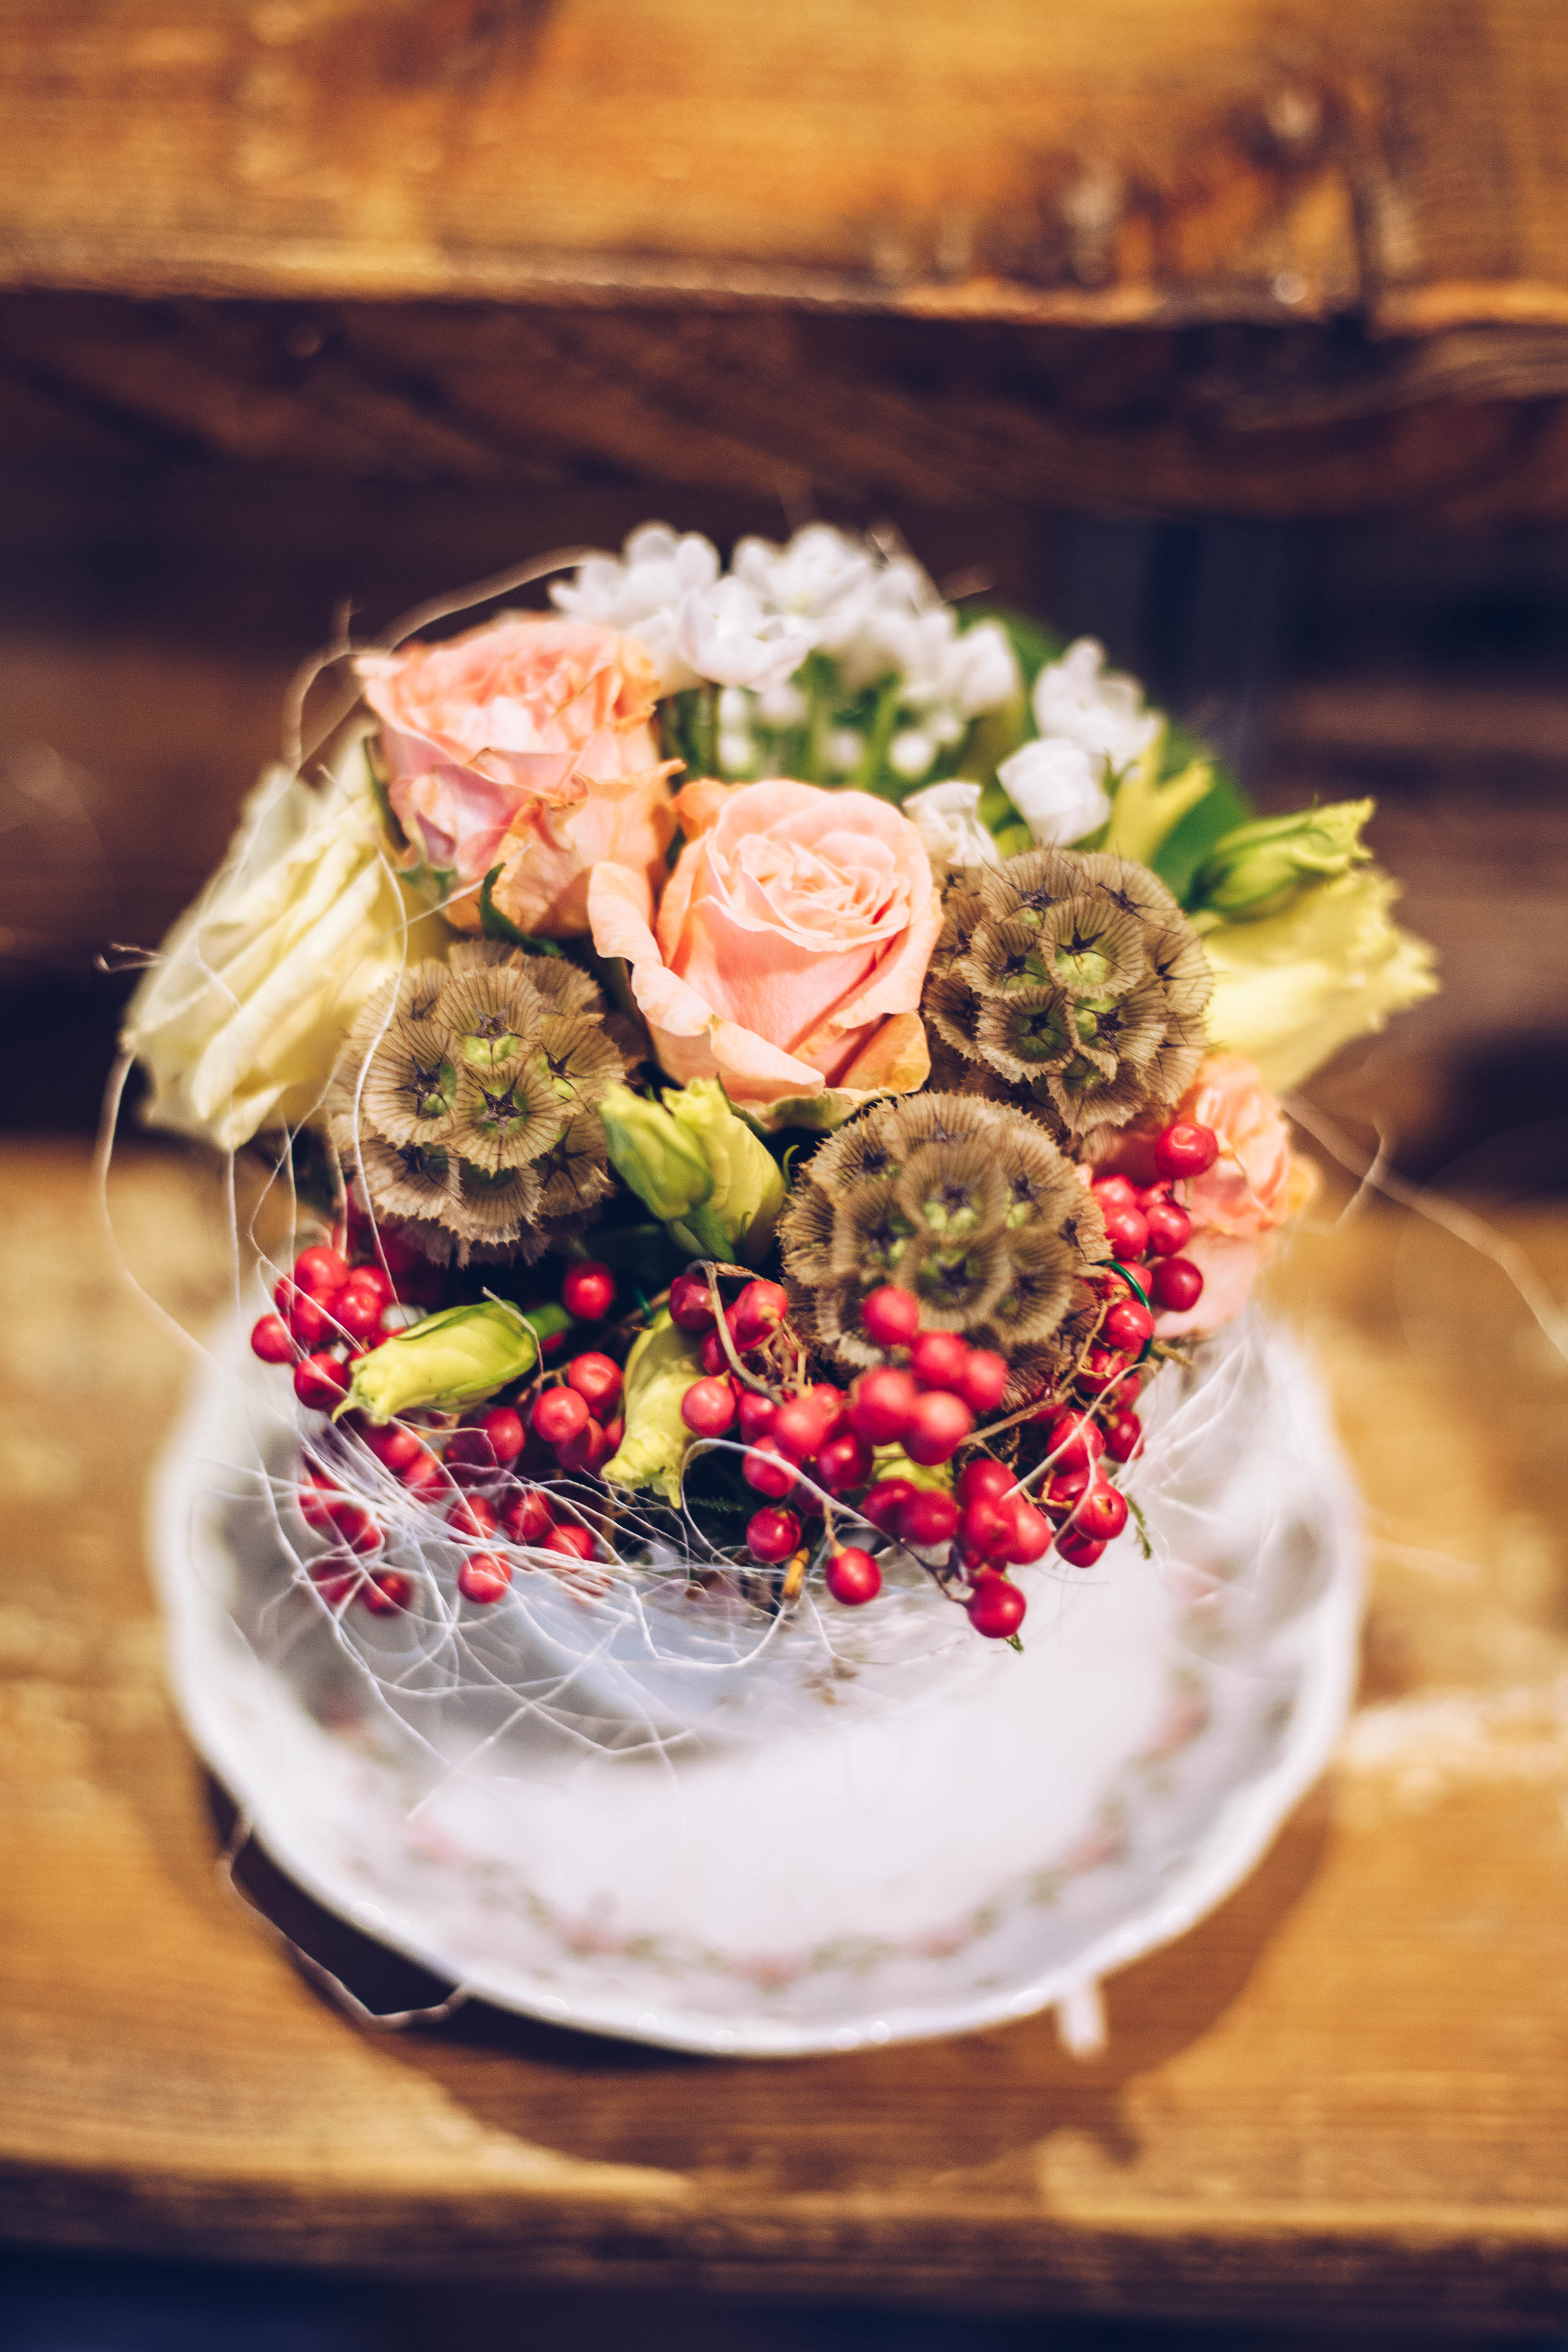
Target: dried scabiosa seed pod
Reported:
point(1070, 981)
point(965, 1201)
point(466, 1103)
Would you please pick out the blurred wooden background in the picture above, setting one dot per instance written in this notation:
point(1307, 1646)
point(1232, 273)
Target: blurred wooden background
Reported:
point(1238, 333)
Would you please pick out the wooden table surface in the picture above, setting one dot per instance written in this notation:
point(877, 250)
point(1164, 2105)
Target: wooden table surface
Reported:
point(1346, 2092)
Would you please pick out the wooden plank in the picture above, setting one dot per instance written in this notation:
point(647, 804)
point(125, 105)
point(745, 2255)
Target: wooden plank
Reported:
point(1126, 162)
point(1347, 2091)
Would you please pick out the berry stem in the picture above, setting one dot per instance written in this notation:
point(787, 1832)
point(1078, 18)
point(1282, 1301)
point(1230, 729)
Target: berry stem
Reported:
point(713, 1268)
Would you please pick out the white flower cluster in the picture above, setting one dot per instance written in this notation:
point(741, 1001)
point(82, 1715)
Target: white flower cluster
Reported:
point(1093, 728)
point(871, 609)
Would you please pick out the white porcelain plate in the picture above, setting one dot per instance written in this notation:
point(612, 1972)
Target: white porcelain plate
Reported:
point(894, 1855)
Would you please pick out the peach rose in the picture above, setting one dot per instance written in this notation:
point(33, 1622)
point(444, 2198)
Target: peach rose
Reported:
point(526, 744)
point(791, 945)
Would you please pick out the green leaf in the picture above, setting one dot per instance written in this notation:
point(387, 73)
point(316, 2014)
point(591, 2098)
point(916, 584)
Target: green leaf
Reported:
point(495, 925)
point(1223, 807)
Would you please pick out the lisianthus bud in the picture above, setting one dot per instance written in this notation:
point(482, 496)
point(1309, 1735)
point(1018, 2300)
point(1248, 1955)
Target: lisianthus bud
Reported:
point(652, 1153)
point(1259, 870)
point(737, 1220)
point(451, 1360)
point(662, 1366)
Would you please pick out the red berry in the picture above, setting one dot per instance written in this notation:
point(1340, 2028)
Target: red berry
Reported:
point(884, 1504)
point(358, 1311)
point(843, 1462)
point(374, 1281)
point(1073, 1441)
point(1127, 1231)
point(319, 1271)
point(714, 1356)
point(394, 1447)
point(425, 1475)
point(1101, 1515)
point(473, 1517)
point(315, 1496)
point(320, 1381)
point(1185, 1149)
point(597, 1381)
point(1077, 1550)
point(384, 1595)
point(880, 1404)
point(773, 1535)
point(503, 1426)
point(588, 1291)
point(614, 1430)
point(982, 1477)
point(984, 1382)
point(853, 1576)
point(708, 1408)
point(352, 1524)
point(890, 1317)
point(766, 1469)
point(757, 1414)
point(1123, 1436)
point(399, 1252)
point(832, 1406)
point(996, 1608)
point(928, 1518)
point(1063, 1494)
point(307, 1319)
point(587, 1449)
point(1129, 1326)
point(1170, 1228)
point(471, 1457)
point(937, 1360)
point(1031, 1532)
point(1114, 1193)
point(759, 1310)
point(937, 1427)
point(985, 1529)
point(270, 1340)
point(558, 1414)
point(1103, 1368)
point(571, 1540)
point(1152, 1196)
point(690, 1303)
point(337, 1580)
point(483, 1577)
point(527, 1517)
point(798, 1428)
point(1175, 1284)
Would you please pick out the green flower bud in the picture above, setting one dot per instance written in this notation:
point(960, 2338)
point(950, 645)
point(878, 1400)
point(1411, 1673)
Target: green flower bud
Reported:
point(1262, 868)
point(662, 1366)
point(652, 1153)
point(451, 1360)
point(737, 1218)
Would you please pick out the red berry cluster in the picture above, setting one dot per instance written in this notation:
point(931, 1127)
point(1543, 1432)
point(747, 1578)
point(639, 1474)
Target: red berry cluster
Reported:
point(1144, 1221)
point(476, 1480)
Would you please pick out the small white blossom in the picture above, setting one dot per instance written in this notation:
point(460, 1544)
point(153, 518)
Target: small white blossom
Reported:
point(1079, 701)
point(735, 707)
point(844, 750)
point(911, 753)
point(1055, 789)
point(724, 633)
point(818, 573)
point(947, 818)
point(643, 593)
point(944, 670)
point(735, 752)
point(782, 706)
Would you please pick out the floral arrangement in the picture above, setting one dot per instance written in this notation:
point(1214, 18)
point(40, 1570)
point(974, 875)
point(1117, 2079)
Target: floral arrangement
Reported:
point(777, 1066)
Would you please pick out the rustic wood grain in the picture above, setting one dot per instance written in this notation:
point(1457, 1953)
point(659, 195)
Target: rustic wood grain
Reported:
point(1348, 2090)
point(1125, 162)
point(1128, 258)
